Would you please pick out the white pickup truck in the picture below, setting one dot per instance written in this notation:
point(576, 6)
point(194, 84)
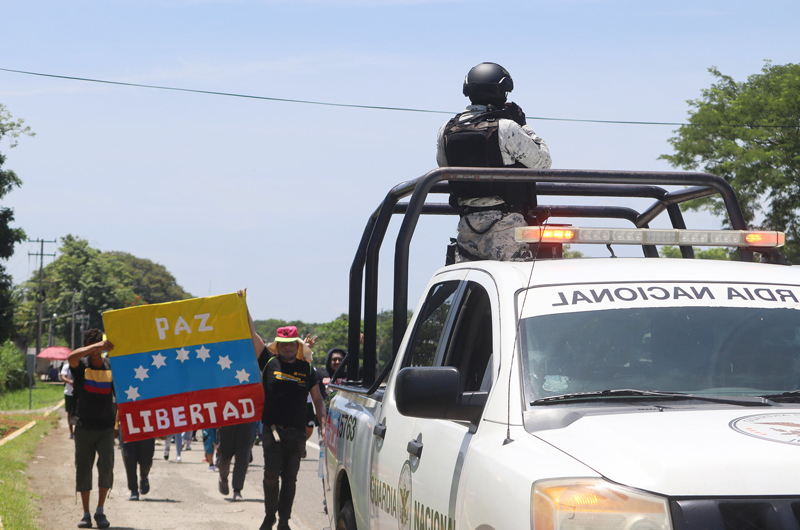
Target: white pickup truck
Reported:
point(581, 394)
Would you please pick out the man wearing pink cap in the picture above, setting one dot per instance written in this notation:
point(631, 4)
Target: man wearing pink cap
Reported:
point(287, 378)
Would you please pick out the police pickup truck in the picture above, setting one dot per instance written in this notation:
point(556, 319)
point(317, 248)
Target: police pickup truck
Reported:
point(594, 393)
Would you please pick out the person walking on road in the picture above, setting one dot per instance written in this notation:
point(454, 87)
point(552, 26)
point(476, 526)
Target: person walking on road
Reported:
point(210, 447)
point(69, 399)
point(287, 380)
point(138, 454)
point(95, 413)
point(178, 437)
point(235, 442)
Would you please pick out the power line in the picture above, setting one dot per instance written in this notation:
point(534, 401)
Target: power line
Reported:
point(374, 107)
point(228, 94)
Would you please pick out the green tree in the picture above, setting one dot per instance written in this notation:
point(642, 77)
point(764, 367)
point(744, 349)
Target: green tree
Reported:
point(567, 253)
point(9, 237)
point(711, 253)
point(268, 329)
point(669, 252)
point(749, 133)
point(715, 253)
point(104, 281)
point(150, 281)
point(331, 334)
point(12, 367)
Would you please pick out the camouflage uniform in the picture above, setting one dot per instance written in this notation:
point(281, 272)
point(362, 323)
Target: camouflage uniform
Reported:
point(487, 233)
point(490, 235)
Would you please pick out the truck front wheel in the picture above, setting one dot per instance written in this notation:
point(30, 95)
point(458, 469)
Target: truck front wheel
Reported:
point(347, 517)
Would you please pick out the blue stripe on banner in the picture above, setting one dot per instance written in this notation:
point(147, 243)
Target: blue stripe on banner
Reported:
point(190, 369)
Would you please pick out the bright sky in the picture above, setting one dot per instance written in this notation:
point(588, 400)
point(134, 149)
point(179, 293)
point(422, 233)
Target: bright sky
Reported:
point(230, 193)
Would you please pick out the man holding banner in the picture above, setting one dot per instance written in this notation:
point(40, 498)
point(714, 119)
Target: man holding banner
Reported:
point(194, 364)
point(287, 379)
point(183, 366)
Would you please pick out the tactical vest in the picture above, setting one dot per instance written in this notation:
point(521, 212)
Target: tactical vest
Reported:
point(475, 142)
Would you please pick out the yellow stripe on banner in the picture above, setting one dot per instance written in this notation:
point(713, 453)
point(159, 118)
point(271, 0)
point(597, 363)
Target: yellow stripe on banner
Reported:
point(177, 324)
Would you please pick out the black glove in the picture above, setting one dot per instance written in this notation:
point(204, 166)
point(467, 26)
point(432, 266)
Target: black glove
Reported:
point(516, 113)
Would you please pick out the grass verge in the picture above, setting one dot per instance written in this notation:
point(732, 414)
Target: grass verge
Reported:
point(16, 500)
point(43, 395)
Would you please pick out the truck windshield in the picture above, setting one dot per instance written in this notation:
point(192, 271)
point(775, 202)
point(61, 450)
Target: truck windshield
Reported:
point(735, 351)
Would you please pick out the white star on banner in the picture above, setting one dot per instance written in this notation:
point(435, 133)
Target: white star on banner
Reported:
point(159, 360)
point(141, 373)
point(183, 355)
point(242, 376)
point(202, 353)
point(224, 362)
point(133, 393)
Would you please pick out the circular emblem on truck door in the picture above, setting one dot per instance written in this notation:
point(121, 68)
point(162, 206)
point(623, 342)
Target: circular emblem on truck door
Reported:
point(783, 428)
point(405, 509)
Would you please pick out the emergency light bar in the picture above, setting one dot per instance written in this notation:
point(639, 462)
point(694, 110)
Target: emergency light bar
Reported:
point(649, 236)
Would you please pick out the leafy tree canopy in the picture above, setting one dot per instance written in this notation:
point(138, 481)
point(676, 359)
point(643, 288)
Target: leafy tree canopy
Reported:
point(749, 133)
point(151, 282)
point(711, 253)
point(9, 236)
point(97, 281)
point(329, 335)
point(332, 334)
point(568, 253)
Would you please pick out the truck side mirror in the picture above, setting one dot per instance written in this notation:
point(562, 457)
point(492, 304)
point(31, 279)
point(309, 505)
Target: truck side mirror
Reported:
point(426, 392)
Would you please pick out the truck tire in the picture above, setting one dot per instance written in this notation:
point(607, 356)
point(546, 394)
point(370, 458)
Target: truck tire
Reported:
point(347, 517)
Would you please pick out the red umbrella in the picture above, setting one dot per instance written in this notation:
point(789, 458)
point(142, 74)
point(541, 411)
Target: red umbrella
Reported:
point(56, 353)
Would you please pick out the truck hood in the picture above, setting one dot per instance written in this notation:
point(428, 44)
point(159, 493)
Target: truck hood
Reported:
point(717, 453)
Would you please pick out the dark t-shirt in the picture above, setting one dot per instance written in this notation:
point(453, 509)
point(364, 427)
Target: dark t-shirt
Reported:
point(94, 388)
point(286, 387)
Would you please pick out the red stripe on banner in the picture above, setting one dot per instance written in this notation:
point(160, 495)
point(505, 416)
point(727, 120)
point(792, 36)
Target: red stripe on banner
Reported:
point(204, 409)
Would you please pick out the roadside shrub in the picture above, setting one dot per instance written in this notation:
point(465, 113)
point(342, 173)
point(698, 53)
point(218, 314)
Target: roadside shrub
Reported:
point(12, 368)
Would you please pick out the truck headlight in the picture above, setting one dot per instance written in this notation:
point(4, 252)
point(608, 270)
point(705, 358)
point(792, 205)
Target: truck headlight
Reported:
point(585, 504)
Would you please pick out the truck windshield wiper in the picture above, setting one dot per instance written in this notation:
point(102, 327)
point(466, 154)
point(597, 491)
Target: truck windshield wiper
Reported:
point(745, 401)
point(789, 395)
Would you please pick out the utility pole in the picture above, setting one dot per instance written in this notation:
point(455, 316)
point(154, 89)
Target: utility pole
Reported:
point(75, 294)
point(40, 299)
point(50, 340)
point(84, 320)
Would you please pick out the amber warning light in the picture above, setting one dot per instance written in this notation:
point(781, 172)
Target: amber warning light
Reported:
point(650, 236)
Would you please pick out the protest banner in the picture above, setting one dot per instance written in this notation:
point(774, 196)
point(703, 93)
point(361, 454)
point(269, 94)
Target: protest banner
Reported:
point(182, 366)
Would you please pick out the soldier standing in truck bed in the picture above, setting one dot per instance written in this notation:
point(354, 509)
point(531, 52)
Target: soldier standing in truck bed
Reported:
point(490, 133)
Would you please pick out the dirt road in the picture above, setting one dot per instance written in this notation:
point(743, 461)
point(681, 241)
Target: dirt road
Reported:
point(182, 496)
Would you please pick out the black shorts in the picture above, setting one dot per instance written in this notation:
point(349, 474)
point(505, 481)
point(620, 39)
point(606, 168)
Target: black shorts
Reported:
point(69, 403)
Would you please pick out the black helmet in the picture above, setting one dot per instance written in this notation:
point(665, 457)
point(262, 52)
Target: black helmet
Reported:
point(488, 83)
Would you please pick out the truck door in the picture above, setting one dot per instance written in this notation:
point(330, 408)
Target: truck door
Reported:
point(443, 444)
point(390, 481)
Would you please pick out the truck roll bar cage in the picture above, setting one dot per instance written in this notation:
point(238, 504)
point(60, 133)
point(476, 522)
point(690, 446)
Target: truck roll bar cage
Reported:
point(549, 182)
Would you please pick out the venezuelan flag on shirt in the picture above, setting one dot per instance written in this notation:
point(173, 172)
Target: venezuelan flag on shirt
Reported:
point(97, 381)
point(183, 366)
